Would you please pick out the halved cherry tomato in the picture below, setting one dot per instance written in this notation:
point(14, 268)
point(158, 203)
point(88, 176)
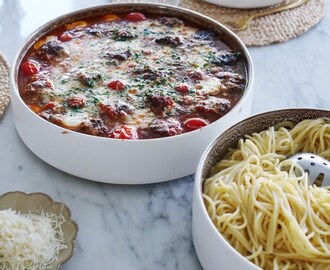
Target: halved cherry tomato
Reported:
point(116, 85)
point(124, 132)
point(30, 67)
point(182, 88)
point(194, 123)
point(65, 37)
point(135, 17)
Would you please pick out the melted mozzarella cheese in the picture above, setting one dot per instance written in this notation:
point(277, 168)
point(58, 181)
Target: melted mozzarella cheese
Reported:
point(74, 119)
point(95, 57)
point(210, 85)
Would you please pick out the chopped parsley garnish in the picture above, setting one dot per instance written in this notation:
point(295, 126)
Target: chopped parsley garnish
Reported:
point(137, 56)
point(64, 81)
point(175, 56)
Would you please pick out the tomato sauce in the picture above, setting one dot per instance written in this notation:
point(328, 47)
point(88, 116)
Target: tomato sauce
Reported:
point(131, 76)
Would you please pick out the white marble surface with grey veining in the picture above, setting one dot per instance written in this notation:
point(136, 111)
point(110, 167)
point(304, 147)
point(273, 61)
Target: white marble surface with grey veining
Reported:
point(147, 226)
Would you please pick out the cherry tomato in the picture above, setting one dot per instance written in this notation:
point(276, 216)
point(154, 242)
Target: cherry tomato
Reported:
point(30, 67)
point(65, 37)
point(135, 17)
point(182, 88)
point(194, 123)
point(124, 132)
point(116, 85)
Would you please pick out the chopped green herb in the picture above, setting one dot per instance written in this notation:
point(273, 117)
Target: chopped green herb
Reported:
point(64, 81)
point(175, 56)
point(137, 56)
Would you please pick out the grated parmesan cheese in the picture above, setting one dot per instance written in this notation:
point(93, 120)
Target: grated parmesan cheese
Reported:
point(29, 241)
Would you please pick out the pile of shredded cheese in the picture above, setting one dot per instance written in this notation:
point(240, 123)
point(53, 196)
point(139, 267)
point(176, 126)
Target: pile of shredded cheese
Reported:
point(29, 241)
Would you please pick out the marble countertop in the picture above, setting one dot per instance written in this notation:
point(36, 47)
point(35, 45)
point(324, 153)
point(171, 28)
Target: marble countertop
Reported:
point(147, 226)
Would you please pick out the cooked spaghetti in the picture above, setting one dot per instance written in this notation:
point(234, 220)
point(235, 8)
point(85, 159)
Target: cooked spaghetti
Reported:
point(263, 204)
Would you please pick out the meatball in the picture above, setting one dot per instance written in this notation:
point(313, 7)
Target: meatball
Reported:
point(165, 128)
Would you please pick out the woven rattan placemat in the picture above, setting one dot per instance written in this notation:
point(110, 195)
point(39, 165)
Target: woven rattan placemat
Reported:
point(275, 28)
point(4, 84)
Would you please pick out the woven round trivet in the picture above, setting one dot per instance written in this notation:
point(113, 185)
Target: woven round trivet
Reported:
point(4, 85)
point(275, 28)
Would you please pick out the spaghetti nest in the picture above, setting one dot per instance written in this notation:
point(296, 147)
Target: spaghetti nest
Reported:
point(263, 204)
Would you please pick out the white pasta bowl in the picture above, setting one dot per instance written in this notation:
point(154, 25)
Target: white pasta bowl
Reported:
point(114, 160)
point(246, 4)
point(213, 250)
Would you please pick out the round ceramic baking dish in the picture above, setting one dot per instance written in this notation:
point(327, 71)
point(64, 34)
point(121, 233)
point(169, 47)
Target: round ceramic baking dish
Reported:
point(213, 251)
point(123, 161)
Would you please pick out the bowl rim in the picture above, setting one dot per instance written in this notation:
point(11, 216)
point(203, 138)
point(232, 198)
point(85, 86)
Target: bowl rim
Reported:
point(198, 180)
point(183, 11)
